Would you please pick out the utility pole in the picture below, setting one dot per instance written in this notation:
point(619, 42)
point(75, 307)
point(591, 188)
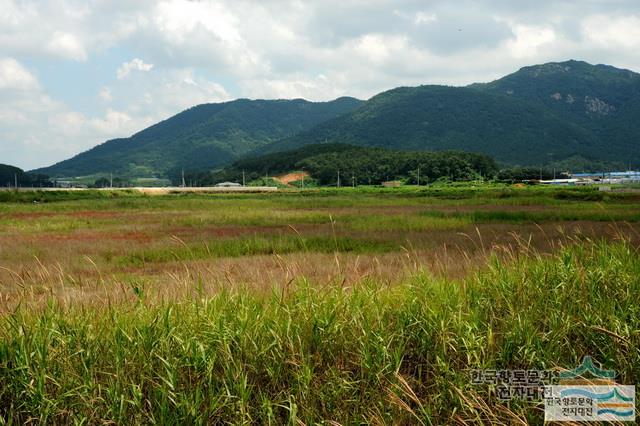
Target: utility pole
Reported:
point(15, 177)
point(183, 182)
point(338, 178)
point(418, 175)
point(353, 180)
point(243, 178)
point(111, 180)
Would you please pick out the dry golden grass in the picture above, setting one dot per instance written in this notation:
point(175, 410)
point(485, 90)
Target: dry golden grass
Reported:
point(97, 252)
point(73, 269)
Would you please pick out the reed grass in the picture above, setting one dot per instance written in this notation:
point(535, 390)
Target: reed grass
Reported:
point(309, 354)
point(254, 245)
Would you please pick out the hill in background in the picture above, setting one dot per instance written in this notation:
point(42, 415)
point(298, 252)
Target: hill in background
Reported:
point(540, 114)
point(602, 99)
point(569, 113)
point(205, 136)
point(11, 175)
point(431, 118)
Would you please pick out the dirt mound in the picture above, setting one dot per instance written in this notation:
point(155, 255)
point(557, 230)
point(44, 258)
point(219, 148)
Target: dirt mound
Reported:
point(291, 177)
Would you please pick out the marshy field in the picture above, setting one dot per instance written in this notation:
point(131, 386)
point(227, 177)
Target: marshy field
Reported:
point(328, 306)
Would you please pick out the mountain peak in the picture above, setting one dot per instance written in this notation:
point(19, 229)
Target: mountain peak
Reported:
point(538, 113)
point(576, 69)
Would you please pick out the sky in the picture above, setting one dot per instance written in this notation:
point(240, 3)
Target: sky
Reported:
point(74, 73)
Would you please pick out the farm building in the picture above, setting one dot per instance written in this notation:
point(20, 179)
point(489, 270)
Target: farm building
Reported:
point(228, 185)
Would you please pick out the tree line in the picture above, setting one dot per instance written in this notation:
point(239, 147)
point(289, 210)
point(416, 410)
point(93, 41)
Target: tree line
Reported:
point(356, 165)
point(10, 176)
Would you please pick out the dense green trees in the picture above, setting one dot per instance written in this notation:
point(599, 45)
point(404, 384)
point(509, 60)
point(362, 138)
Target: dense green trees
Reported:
point(116, 182)
point(357, 165)
point(520, 174)
point(376, 165)
point(9, 175)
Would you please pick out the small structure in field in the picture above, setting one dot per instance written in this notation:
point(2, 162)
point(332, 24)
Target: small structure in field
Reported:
point(228, 185)
point(392, 184)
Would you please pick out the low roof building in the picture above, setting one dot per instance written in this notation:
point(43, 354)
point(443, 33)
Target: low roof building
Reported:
point(227, 184)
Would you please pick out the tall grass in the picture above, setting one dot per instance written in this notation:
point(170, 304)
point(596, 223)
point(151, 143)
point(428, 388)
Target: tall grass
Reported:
point(574, 213)
point(253, 245)
point(372, 353)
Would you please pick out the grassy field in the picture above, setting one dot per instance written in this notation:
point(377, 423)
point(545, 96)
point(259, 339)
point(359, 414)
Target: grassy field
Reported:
point(341, 306)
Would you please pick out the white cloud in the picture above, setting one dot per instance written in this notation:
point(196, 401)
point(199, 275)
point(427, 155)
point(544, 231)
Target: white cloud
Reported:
point(135, 64)
point(319, 87)
point(177, 19)
point(424, 18)
point(105, 94)
point(378, 48)
point(613, 32)
point(113, 123)
point(14, 76)
point(529, 39)
point(66, 45)
point(170, 92)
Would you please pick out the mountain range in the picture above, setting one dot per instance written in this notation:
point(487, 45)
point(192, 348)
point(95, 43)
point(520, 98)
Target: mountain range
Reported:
point(204, 136)
point(537, 115)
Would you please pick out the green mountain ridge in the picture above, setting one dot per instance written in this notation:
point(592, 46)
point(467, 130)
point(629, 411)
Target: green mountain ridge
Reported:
point(204, 136)
point(537, 115)
point(600, 98)
point(563, 111)
point(427, 118)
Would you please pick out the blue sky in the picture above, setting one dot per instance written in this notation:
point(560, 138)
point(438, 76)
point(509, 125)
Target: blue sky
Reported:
point(76, 73)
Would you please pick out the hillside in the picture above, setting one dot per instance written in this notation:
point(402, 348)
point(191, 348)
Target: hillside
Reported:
point(10, 175)
point(454, 118)
point(571, 114)
point(205, 136)
point(601, 98)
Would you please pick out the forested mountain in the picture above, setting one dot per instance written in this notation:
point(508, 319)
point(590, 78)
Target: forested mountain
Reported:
point(566, 113)
point(600, 98)
point(205, 136)
point(569, 113)
point(454, 118)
